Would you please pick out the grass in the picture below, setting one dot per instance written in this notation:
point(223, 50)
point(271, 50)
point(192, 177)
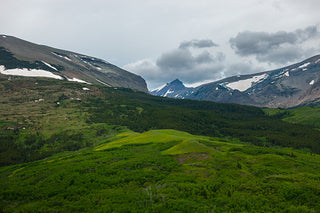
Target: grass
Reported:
point(308, 115)
point(182, 142)
point(165, 170)
point(153, 136)
point(187, 146)
point(108, 150)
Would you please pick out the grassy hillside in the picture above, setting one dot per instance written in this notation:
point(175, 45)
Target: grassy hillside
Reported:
point(308, 115)
point(69, 147)
point(165, 171)
point(40, 117)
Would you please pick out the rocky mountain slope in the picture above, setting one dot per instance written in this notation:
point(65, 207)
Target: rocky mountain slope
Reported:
point(294, 85)
point(175, 89)
point(22, 58)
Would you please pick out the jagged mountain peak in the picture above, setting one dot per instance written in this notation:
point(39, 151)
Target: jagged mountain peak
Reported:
point(172, 89)
point(176, 81)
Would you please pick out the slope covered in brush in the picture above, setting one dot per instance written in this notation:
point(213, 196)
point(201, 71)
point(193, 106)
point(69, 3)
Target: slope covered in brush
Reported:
point(41, 117)
point(165, 171)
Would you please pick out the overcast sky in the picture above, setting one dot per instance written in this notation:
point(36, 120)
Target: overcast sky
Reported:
point(161, 40)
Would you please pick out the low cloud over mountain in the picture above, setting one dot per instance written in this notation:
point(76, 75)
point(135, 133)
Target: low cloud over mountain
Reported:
point(192, 61)
point(280, 47)
point(202, 60)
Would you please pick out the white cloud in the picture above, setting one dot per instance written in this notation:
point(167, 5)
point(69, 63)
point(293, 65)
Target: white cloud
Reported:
point(124, 32)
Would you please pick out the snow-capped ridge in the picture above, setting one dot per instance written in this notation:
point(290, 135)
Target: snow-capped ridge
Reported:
point(290, 86)
point(159, 88)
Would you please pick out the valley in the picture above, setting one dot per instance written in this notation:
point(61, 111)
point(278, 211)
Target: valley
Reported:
point(73, 147)
point(160, 106)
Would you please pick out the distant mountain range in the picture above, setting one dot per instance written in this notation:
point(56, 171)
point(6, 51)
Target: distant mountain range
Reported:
point(22, 58)
point(291, 86)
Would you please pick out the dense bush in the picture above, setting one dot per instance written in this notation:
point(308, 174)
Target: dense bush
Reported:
point(249, 124)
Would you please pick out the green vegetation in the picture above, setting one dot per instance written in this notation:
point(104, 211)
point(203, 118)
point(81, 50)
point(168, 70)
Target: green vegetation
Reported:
point(185, 142)
point(249, 124)
point(53, 116)
point(165, 174)
point(65, 149)
point(308, 115)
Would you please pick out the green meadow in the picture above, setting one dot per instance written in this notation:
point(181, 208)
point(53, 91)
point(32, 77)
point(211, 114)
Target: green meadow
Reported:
point(165, 171)
point(118, 150)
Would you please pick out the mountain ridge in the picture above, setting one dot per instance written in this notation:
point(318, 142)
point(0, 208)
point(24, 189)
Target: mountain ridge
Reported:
point(291, 86)
point(20, 54)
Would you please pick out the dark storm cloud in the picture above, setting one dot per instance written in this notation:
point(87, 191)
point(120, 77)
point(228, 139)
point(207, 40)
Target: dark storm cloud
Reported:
point(176, 59)
point(282, 55)
point(203, 43)
point(188, 67)
point(273, 47)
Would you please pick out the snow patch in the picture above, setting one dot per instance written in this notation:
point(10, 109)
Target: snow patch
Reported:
point(78, 80)
point(304, 65)
point(304, 69)
point(49, 65)
point(159, 88)
point(243, 85)
point(4, 36)
point(103, 83)
point(311, 82)
point(287, 74)
point(168, 92)
point(85, 88)
point(29, 73)
point(317, 61)
point(61, 56)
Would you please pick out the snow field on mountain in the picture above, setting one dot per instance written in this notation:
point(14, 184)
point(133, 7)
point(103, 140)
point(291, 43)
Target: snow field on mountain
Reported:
point(29, 73)
point(243, 85)
point(77, 80)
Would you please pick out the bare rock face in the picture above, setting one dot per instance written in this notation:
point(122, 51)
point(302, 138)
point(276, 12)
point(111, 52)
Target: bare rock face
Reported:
point(291, 86)
point(22, 58)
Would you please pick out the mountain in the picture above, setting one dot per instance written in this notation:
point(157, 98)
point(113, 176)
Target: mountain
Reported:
point(175, 89)
point(291, 86)
point(73, 147)
point(22, 58)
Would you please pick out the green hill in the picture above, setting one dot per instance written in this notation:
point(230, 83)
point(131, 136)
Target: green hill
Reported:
point(41, 117)
point(69, 147)
point(307, 115)
point(165, 171)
